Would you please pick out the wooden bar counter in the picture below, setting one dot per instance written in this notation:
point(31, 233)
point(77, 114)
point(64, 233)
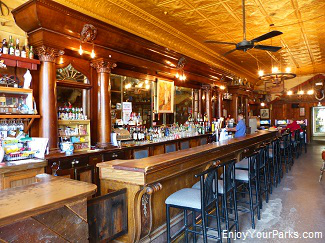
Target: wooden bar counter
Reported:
point(151, 180)
point(20, 172)
point(51, 210)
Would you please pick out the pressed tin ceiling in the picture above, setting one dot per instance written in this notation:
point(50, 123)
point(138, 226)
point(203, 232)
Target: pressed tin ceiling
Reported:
point(183, 25)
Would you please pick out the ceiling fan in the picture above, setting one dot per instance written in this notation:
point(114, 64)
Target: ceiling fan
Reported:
point(245, 45)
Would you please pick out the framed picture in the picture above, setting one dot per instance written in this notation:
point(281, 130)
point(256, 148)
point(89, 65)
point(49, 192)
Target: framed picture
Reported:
point(302, 111)
point(265, 113)
point(165, 96)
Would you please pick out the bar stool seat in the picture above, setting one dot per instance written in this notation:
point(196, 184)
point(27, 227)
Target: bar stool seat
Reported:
point(271, 153)
point(243, 164)
point(241, 175)
point(220, 186)
point(186, 197)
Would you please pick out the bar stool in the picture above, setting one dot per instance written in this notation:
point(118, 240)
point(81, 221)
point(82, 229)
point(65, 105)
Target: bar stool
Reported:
point(295, 141)
point(285, 150)
point(247, 180)
point(274, 160)
point(303, 138)
point(263, 173)
point(197, 201)
point(227, 192)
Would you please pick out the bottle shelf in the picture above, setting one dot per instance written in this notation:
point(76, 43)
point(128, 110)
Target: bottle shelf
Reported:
point(18, 116)
point(20, 62)
point(11, 90)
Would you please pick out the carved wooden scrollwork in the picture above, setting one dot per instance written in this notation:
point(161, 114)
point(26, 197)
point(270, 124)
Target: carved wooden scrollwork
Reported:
point(88, 33)
point(102, 65)
point(145, 209)
point(48, 54)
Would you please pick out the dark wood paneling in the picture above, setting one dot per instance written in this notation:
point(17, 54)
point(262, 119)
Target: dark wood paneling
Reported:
point(107, 216)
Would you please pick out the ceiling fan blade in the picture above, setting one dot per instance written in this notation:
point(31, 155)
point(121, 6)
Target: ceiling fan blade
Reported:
point(267, 36)
point(268, 48)
point(219, 42)
point(228, 52)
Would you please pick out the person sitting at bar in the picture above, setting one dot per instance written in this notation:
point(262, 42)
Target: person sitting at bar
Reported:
point(293, 126)
point(240, 129)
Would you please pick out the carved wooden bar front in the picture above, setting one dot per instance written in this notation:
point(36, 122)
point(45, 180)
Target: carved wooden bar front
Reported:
point(151, 180)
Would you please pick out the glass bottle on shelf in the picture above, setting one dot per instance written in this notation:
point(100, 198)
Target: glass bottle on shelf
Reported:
point(11, 46)
point(5, 49)
point(24, 51)
point(31, 53)
point(17, 49)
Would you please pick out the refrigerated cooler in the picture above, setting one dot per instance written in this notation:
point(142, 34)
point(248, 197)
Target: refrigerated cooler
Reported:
point(318, 116)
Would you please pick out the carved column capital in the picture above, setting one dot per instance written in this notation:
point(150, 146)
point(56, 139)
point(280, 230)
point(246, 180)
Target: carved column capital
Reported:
point(48, 54)
point(103, 65)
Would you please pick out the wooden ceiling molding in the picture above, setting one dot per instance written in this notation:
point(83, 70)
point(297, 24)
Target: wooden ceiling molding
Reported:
point(183, 25)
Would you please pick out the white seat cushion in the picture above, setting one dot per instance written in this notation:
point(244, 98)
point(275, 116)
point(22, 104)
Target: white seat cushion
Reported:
point(187, 197)
point(241, 175)
point(271, 153)
point(243, 164)
point(220, 186)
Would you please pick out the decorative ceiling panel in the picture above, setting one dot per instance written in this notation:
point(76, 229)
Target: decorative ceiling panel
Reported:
point(183, 25)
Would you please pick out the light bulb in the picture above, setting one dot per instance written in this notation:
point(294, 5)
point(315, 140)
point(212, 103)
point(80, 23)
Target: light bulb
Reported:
point(260, 73)
point(92, 54)
point(289, 92)
point(262, 104)
point(222, 87)
point(147, 86)
point(275, 69)
point(184, 77)
point(177, 75)
point(310, 92)
point(180, 78)
point(80, 50)
point(140, 85)
point(146, 81)
point(301, 92)
point(288, 69)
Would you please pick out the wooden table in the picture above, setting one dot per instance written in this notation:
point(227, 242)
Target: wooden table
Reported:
point(151, 180)
point(52, 210)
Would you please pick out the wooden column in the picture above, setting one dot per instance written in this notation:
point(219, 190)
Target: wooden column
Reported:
point(104, 127)
point(234, 106)
point(220, 104)
point(208, 104)
point(48, 124)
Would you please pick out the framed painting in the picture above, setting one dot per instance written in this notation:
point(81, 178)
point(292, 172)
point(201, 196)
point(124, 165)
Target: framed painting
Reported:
point(265, 113)
point(165, 96)
point(302, 111)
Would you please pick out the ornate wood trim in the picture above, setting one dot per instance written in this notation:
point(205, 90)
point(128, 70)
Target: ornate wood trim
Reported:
point(48, 54)
point(143, 217)
point(103, 65)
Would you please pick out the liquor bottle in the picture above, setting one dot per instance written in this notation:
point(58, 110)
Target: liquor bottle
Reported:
point(5, 49)
point(135, 135)
point(11, 46)
point(31, 53)
point(17, 50)
point(23, 51)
